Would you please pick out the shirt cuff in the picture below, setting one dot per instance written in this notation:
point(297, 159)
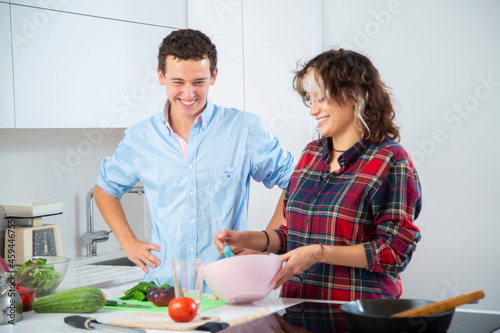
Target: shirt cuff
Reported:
point(370, 257)
point(282, 234)
point(108, 189)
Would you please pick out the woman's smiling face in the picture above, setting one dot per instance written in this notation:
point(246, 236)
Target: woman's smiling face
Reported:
point(334, 119)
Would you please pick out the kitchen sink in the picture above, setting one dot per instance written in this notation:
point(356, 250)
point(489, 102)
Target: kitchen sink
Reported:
point(124, 261)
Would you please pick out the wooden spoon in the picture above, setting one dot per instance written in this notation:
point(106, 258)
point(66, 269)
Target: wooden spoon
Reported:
point(441, 306)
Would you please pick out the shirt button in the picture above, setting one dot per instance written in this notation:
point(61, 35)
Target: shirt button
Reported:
point(190, 166)
point(191, 194)
point(192, 221)
point(191, 249)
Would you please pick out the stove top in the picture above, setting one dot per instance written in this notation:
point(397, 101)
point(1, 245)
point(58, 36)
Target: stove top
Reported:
point(462, 322)
point(474, 322)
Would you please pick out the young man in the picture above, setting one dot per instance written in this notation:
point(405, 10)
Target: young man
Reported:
point(195, 160)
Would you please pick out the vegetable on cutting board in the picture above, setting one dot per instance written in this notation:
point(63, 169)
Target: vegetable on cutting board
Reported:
point(139, 291)
point(182, 309)
point(161, 296)
point(76, 300)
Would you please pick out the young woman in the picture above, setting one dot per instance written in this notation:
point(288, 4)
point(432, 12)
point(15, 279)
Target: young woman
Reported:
point(354, 195)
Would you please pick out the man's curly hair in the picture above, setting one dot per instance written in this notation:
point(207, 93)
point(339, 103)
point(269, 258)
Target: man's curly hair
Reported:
point(187, 44)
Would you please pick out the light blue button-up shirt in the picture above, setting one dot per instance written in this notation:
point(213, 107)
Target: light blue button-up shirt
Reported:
point(226, 148)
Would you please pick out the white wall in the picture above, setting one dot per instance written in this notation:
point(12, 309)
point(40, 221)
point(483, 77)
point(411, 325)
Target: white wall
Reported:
point(61, 165)
point(273, 45)
point(437, 55)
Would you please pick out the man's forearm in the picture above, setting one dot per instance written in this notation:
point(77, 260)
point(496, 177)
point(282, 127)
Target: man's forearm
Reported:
point(137, 251)
point(112, 212)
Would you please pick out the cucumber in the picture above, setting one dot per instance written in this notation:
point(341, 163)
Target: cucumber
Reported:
point(76, 300)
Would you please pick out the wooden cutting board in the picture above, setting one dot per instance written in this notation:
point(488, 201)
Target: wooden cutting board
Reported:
point(161, 321)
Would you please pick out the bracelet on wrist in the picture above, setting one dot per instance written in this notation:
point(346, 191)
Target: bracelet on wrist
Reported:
point(267, 244)
point(321, 253)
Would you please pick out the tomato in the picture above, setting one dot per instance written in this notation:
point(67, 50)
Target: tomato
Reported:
point(182, 309)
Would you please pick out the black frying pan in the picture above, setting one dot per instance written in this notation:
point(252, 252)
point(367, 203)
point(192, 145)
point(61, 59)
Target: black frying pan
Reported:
point(374, 316)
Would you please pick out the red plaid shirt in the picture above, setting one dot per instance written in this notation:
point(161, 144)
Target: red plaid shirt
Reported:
point(372, 199)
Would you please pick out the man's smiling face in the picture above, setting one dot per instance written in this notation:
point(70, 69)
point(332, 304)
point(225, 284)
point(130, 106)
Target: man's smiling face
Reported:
point(187, 83)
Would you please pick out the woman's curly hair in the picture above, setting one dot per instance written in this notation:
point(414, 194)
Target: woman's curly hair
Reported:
point(187, 44)
point(347, 75)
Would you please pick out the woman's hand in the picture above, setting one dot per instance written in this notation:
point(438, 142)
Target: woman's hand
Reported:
point(140, 253)
point(233, 238)
point(297, 261)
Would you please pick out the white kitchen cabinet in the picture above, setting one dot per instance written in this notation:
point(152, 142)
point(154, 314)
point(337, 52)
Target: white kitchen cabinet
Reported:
point(167, 13)
point(6, 79)
point(78, 71)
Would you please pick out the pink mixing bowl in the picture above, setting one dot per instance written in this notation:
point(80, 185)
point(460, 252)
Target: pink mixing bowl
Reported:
point(242, 279)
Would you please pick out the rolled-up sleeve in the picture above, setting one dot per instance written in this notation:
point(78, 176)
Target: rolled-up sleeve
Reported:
point(282, 233)
point(396, 205)
point(117, 175)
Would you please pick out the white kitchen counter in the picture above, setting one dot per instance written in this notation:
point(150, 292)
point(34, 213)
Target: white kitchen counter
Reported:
point(54, 322)
point(113, 281)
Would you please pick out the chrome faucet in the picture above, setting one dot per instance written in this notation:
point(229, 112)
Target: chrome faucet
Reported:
point(91, 237)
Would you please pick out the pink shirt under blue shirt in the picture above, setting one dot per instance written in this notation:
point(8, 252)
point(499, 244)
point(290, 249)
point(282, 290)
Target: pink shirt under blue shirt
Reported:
point(182, 143)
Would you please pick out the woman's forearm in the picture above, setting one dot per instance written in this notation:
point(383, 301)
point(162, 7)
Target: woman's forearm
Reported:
point(257, 240)
point(350, 255)
point(277, 219)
